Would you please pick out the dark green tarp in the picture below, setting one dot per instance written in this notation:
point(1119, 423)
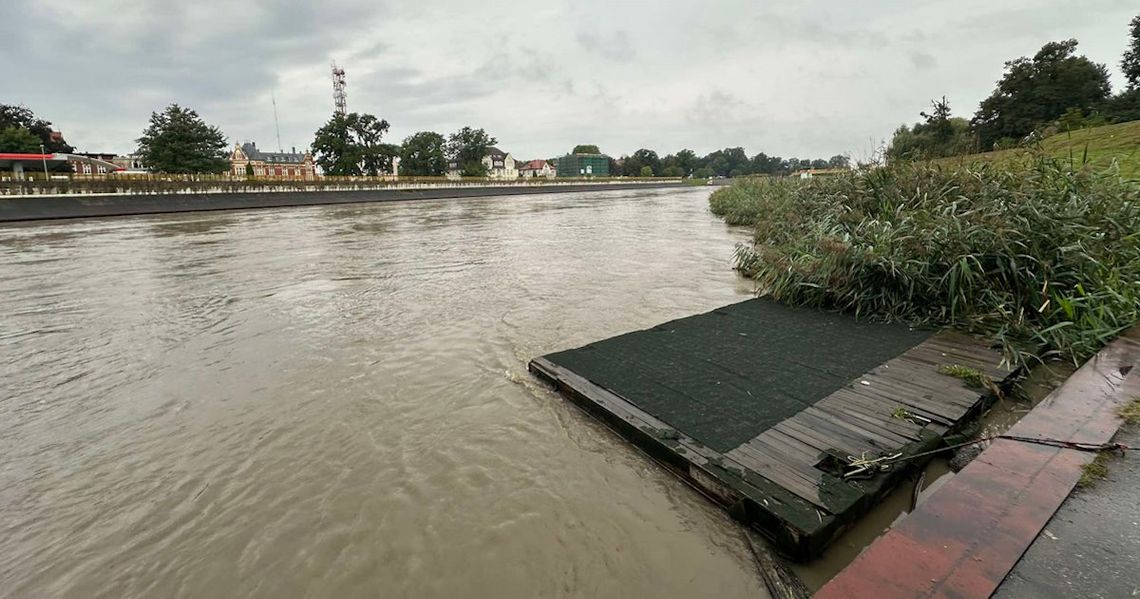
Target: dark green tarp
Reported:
point(725, 376)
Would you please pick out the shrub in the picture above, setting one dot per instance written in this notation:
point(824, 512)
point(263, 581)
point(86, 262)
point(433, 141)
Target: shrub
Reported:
point(1036, 256)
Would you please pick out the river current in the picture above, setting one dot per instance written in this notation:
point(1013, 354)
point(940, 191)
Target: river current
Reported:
point(333, 402)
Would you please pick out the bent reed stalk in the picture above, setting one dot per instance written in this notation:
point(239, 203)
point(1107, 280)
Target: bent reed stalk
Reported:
point(1038, 257)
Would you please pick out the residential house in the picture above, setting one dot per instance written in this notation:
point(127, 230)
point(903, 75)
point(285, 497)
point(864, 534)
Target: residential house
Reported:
point(537, 168)
point(499, 164)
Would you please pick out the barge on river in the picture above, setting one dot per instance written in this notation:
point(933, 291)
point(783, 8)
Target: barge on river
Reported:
point(763, 407)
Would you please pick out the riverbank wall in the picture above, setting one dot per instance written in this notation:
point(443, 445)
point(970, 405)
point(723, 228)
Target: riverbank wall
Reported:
point(53, 207)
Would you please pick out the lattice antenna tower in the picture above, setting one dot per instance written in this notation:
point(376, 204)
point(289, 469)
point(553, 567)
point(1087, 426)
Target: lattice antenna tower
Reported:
point(340, 97)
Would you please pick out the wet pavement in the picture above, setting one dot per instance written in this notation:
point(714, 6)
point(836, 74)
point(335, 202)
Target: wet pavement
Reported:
point(1091, 546)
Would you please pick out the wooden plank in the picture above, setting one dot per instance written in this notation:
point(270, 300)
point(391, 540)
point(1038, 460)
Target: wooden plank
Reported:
point(771, 468)
point(868, 423)
point(842, 442)
point(878, 410)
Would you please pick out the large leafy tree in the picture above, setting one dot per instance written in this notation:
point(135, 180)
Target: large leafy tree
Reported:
point(1035, 91)
point(18, 140)
point(20, 117)
point(422, 154)
point(179, 141)
point(1131, 61)
point(467, 147)
point(586, 149)
point(351, 145)
point(632, 165)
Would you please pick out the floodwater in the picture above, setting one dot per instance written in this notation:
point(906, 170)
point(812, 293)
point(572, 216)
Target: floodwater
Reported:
point(333, 402)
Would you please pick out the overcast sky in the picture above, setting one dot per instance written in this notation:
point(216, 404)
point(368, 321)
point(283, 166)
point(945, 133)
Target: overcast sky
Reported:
point(807, 78)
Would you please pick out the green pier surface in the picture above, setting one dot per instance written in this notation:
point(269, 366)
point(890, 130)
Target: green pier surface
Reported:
point(725, 376)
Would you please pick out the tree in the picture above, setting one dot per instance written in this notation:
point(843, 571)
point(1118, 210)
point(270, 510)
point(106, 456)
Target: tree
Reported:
point(673, 171)
point(350, 145)
point(648, 158)
point(467, 147)
point(18, 140)
point(687, 161)
point(20, 117)
point(422, 155)
point(939, 136)
point(704, 173)
point(762, 164)
point(1036, 91)
point(586, 149)
point(1130, 64)
point(839, 161)
point(179, 141)
point(646, 171)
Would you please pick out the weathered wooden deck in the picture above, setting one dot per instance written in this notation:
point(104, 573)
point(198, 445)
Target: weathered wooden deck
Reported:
point(726, 409)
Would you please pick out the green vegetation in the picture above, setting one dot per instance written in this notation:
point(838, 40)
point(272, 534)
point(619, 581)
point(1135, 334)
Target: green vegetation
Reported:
point(423, 155)
point(1037, 90)
point(350, 145)
point(467, 147)
point(1097, 148)
point(1041, 258)
point(18, 140)
point(1055, 90)
point(1095, 470)
point(1130, 412)
point(586, 149)
point(971, 376)
point(179, 141)
point(21, 117)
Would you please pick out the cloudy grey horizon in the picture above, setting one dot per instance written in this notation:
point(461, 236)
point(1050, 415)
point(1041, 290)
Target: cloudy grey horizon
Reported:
point(813, 79)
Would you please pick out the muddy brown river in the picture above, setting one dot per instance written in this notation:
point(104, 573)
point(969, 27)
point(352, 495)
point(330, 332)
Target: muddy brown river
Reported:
point(334, 402)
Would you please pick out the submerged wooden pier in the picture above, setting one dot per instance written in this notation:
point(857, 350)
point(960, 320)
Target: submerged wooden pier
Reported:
point(762, 406)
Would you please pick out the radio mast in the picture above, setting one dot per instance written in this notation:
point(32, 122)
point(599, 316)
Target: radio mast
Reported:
point(276, 123)
point(340, 97)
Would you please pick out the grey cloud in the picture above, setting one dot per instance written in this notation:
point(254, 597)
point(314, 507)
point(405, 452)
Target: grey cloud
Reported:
point(806, 78)
point(922, 60)
point(614, 46)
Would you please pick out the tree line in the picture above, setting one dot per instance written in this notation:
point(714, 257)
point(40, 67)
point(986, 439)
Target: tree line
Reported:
point(729, 162)
point(177, 140)
point(1053, 91)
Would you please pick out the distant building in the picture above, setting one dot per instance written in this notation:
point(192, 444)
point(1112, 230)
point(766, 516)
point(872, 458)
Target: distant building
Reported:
point(537, 168)
point(129, 164)
point(809, 173)
point(91, 163)
point(499, 164)
point(246, 159)
point(584, 165)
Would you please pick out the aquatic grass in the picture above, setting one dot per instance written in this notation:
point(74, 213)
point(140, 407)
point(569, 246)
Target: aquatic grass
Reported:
point(973, 377)
point(1040, 258)
point(1095, 470)
point(1130, 412)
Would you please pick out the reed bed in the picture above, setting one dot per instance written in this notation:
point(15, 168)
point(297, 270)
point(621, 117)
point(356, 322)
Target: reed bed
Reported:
point(1043, 259)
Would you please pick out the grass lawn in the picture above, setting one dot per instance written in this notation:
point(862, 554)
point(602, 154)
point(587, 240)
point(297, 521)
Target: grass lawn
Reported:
point(1097, 147)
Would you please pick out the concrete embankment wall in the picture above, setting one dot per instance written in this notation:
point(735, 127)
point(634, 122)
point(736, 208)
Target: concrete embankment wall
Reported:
point(89, 206)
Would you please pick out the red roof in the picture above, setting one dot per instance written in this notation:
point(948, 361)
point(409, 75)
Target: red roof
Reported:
point(8, 156)
point(534, 165)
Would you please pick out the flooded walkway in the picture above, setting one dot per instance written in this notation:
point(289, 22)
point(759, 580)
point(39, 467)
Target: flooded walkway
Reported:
point(333, 401)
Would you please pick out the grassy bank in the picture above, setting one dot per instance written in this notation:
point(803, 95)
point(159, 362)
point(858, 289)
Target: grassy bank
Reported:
point(1100, 148)
point(1040, 258)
